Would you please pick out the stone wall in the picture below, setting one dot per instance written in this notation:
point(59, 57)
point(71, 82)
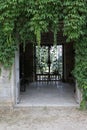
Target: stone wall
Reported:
point(6, 84)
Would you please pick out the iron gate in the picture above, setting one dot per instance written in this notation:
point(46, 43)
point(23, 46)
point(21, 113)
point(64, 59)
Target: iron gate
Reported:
point(48, 63)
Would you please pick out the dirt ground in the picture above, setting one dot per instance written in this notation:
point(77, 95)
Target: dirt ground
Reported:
point(44, 118)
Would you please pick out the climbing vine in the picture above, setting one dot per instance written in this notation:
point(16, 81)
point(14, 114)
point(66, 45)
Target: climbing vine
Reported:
point(25, 20)
point(80, 70)
point(74, 18)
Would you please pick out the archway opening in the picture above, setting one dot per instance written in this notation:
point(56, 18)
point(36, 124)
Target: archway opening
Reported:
point(46, 73)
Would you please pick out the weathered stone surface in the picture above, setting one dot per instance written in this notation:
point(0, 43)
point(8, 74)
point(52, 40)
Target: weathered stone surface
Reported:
point(5, 88)
point(78, 94)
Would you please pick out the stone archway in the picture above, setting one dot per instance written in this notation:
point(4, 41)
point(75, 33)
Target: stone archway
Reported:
point(9, 90)
point(68, 61)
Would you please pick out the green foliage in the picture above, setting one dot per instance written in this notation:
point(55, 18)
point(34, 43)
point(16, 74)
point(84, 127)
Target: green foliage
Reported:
point(25, 20)
point(31, 18)
point(74, 18)
point(83, 105)
point(80, 71)
point(7, 50)
point(41, 59)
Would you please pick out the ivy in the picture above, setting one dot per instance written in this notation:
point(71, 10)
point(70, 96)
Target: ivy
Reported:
point(74, 19)
point(7, 51)
point(22, 21)
point(80, 70)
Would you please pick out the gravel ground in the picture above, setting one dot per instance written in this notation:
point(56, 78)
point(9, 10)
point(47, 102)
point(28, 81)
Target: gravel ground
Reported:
point(44, 118)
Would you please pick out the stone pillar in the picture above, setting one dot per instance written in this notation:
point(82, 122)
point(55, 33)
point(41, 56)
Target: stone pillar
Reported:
point(78, 94)
point(6, 87)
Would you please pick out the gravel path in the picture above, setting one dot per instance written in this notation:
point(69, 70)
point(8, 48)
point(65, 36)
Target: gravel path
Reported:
point(44, 118)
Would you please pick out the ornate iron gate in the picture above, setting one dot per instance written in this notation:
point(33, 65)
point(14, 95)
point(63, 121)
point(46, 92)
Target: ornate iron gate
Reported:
point(48, 63)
